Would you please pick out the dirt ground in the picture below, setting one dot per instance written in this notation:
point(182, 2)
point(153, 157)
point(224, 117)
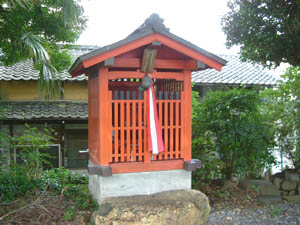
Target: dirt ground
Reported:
point(229, 196)
point(49, 208)
point(43, 208)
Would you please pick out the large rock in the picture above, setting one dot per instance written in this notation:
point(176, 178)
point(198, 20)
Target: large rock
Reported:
point(182, 207)
point(292, 193)
point(292, 175)
point(288, 185)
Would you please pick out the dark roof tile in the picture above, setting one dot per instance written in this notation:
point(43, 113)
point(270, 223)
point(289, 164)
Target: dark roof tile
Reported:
point(59, 110)
point(235, 72)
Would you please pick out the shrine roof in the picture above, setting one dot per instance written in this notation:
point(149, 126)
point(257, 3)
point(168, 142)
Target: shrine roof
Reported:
point(154, 24)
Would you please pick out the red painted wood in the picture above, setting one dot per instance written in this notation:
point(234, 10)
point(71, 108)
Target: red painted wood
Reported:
point(144, 41)
point(116, 118)
point(171, 140)
point(159, 63)
point(188, 51)
point(160, 116)
point(166, 136)
point(183, 136)
point(114, 75)
point(129, 151)
point(177, 148)
point(146, 167)
point(128, 124)
point(187, 133)
point(122, 131)
point(118, 51)
point(134, 121)
point(109, 127)
point(140, 130)
point(104, 118)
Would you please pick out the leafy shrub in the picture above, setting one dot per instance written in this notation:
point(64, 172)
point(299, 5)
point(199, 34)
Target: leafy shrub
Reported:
point(80, 194)
point(231, 134)
point(58, 178)
point(30, 147)
point(21, 177)
point(71, 185)
point(69, 214)
point(211, 165)
point(283, 105)
point(15, 183)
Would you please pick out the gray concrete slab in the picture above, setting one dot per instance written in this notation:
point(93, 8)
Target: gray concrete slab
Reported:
point(145, 183)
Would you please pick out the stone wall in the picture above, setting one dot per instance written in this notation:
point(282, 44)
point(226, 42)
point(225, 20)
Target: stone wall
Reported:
point(287, 182)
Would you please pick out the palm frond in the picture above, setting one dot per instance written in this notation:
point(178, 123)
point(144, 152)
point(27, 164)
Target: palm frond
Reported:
point(21, 3)
point(48, 81)
point(34, 48)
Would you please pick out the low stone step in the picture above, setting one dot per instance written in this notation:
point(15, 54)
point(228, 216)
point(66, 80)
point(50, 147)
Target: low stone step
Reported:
point(268, 199)
point(263, 187)
point(293, 199)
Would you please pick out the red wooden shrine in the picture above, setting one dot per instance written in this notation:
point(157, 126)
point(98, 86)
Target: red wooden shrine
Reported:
point(117, 109)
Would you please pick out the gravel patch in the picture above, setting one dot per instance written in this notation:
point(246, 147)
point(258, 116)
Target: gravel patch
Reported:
point(275, 214)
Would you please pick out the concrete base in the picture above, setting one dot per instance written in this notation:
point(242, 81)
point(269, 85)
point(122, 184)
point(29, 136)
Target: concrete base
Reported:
point(146, 183)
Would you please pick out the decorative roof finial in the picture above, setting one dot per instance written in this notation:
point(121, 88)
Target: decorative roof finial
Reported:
point(154, 19)
point(153, 22)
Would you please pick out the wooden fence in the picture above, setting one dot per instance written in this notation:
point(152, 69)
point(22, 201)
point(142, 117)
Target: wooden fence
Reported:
point(129, 125)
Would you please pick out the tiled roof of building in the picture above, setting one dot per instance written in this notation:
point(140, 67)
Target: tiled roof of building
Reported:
point(47, 110)
point(235, 72)
point(26, 71)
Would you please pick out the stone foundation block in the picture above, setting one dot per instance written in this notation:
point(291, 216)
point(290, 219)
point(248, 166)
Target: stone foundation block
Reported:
point(145, 183)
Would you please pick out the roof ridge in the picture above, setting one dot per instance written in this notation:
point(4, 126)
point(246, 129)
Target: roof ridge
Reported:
point(154, 22)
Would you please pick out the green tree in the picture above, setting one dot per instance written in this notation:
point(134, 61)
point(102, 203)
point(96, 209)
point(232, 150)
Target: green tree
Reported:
point(267, 31)
point(31, 29)
point(283, 105)
point(31, 149)
point(232, 125)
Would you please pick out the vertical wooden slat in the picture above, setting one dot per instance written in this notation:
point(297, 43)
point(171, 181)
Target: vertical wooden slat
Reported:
point(128, 122)
point(182, 125)
point(177, 128)
point(140, 127)
point(167, 155)
point(171, 129)
point(117, 113)
point(134, 130)
point(122, 133)
point(160, 156)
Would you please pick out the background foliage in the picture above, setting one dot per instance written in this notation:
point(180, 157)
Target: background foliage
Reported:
point(28, 175)
point(231, 135)
point(283, 105)
point(31, 29)
point(267, 32)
